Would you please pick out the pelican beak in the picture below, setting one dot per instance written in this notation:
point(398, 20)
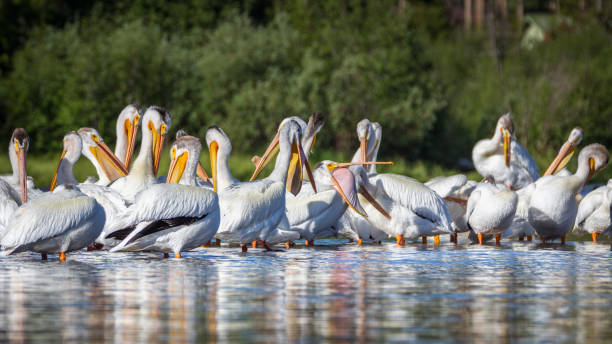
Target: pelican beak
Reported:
point(345, 164)
point(368, 196)
point(214, 149)
point(314, 139)
point(54, 181)
point(507, 141)
point(158, 143)
point(592, 170)
point(363, 146)
point(269, 154)
point(23, 175)
point(177, 167)
point(295, 174)
point(110, 164)
point(130, 131)
point(561, 160)
point(344, 181)
point(201, 173)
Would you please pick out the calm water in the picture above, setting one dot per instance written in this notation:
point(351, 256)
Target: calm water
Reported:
point(333, 293)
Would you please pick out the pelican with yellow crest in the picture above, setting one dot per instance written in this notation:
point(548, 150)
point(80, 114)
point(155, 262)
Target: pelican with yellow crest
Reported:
point(172, 217)
point(155, 125)
point(253, 210)
point(503, 158)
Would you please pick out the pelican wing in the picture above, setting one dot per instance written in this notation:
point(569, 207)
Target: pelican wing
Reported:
point(471, 205)
point(524, 159)
point(165, 202)
point(415, 196)
point(302, 209)
point(446, 186)
point(9, 202)
point(48, 216)
point(588, 205)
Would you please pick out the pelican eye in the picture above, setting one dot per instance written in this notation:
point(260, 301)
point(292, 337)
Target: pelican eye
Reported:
point(136, 119)
point(173, 153)
point(162, 129)
point(16, 145)
point(95, 137)
point(331, 167)
point(151, 126)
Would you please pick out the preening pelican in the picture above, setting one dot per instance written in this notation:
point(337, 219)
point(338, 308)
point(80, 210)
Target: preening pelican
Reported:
point(86, 141)
point(490, 209)
point(172, 217)
point(128, 123)
point(61, 221)
point(200, 172)
point(415, 209)
point(337, 189)
point(558, 166)
point(455, 190)
point(18, 150)
point(594, 212)
point(368, 142)
point(156, 123)
point(250, 211)
point(503, 158)
point(553, 206)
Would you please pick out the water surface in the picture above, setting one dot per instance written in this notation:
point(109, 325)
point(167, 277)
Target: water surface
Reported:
point(334, 293)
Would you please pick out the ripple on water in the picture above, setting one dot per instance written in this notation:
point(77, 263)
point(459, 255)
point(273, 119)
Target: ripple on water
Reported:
point(334, 292)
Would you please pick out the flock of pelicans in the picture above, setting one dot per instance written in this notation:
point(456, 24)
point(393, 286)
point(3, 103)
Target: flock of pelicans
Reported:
point(137, 211)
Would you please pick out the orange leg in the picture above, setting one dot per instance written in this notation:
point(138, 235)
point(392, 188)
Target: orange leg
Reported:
point(543, 240)
point(62, 256)
point(207, 244)
point(400, 240)
point(521, 238)
point(529, 238)
point(244, 248)
point(287, 244)
point(254, 244)
point(309, 242)
point(436, 240)
point(166, 255)
point(594, 235)
point(479, 239)
point(264, 245)
point(43, 256)
point(497, 239)
point(217, 242)
point(177, 255)
point(424, 238)
point(359, 242)
point(90, 248)
point(350, 240)
point(563, 240)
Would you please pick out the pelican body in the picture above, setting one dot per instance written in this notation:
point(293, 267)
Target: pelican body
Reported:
point(595, 212)
point(490, 209)
point(553, 206)
point(503, 158)
point(173, 217)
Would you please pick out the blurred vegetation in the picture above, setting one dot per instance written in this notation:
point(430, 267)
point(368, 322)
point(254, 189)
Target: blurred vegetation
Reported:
point(437, 78)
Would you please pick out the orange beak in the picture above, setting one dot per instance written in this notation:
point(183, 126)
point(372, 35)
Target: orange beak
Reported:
point(54, 181)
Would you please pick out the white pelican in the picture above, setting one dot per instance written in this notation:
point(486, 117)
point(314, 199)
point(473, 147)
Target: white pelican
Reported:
point(415, 209)
point(200, 172)
point(337, 189)
point(503, 158)
point(9, 202)
point(594, 212)
point(128, 123)
point(552, 205)
point(172, 217)
point(155, 124)
point(86, 141)
point(61, 221)
point(490, 209)
point(520, 227)
point(18, 150)
point(252, 210)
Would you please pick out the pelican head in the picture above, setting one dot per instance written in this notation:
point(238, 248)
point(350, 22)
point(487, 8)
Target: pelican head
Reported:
point(128, 123)
point(156, 123)
point(364, 130)
point(184, 155)
point(109, 167)
point(566, 152)
point(200, 172)
point(73, 145)
point(315, 123)
point(18, 150)
point(594, 157)
point(505, 127)
point(363, 183)
point(217, 139)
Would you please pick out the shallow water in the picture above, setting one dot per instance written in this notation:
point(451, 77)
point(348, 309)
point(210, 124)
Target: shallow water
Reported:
point(335, 293)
